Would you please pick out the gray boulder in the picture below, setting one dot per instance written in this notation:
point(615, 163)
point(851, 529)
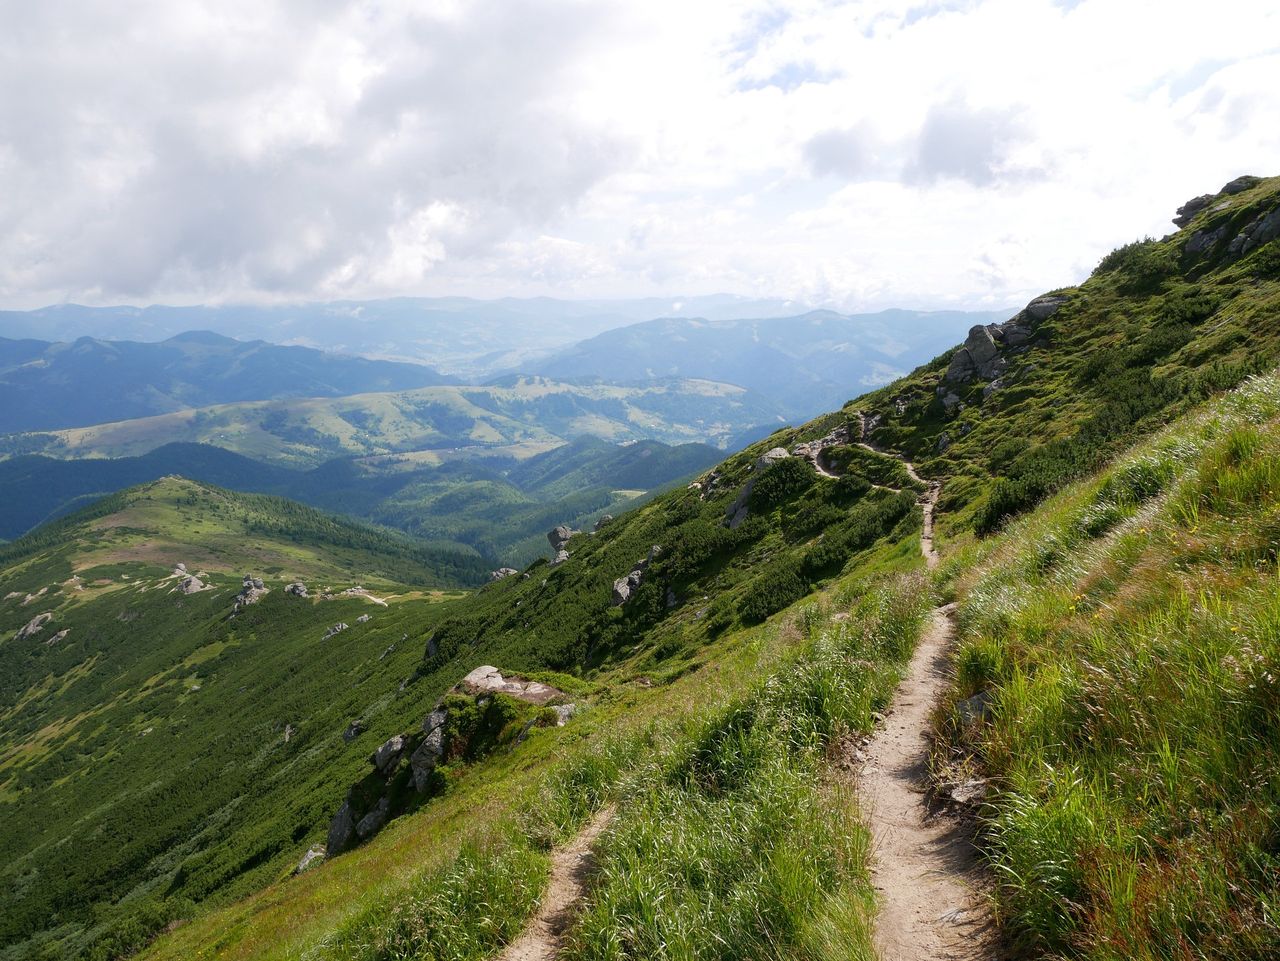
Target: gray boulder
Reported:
point(559, 536)
point(979, 357)
point(353, 731)
point(1204, 240)
point(561, 556)
point(502, 573)
point(1261, 230)
point(1240, 185)
point(625, 587)
point(425, 759)
point(387, 756)
point(563, 713)
point(342, 830)
point(1042, 308)
point(252, 590)
point(372, 823)
point(297, 589)
point(190, 584)
point(336, 629)
point(363, 619)
point(1188, 211)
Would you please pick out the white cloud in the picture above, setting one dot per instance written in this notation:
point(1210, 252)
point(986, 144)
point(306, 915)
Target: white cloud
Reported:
point(859, 154)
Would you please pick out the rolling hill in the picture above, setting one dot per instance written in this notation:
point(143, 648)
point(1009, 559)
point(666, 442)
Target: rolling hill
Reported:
point(517, 418)
point(46, 386)
point(498, 507)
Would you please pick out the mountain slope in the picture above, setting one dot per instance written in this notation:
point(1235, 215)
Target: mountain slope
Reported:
point(805, 364)
point(518, 417)
point(47, 386)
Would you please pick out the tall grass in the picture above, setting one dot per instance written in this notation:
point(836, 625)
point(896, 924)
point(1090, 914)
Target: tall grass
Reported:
point(742, 847)
point(1129, 638)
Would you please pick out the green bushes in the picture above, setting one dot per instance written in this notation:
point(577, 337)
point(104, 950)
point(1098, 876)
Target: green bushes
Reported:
point(780, 482)
point(1141, 266)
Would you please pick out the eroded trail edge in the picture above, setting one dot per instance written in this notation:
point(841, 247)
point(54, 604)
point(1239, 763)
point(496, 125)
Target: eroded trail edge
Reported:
point(571, 867)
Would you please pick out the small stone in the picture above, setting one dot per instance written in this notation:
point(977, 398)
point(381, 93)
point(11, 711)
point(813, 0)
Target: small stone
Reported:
point(314, 855)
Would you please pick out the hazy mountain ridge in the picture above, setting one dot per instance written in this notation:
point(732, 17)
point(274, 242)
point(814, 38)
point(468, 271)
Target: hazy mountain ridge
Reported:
point(805, 363)
point(47, 386)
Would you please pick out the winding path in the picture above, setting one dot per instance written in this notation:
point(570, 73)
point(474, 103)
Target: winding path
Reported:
point(927, 871)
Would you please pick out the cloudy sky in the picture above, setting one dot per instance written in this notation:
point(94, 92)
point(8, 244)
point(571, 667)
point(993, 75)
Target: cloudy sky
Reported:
point(856, 154)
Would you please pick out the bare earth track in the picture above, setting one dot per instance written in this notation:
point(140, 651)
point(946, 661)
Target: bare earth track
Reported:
point(927, 871)
point(570, 868)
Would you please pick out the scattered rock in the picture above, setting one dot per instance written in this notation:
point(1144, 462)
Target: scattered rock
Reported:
point(391, 649)
point(813, 450)
point(179, 569)
point(944, 442)
point(353, 731)
point(336, 629)
point(297, 589)
point(34, 626)
point(502, 572)
point(314, 854)
point(606, 518)
point(424, 760)
point(386, 757)
point(624, 587)
point(973, 709)
point(363, 619)
point(289, 732)
point(560, 558)
point(57, 637)
point(992, 387)
point(1240, 185)
point(843, 617)
point(1187, 212)
point(191, 585)
point(951, 401)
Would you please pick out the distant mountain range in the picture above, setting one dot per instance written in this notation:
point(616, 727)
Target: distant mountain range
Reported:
point(47, 386)
point(469, 338)
point(803, 364)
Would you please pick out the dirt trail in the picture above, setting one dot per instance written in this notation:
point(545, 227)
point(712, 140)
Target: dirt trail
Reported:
point(927, 872)
point(571, 866)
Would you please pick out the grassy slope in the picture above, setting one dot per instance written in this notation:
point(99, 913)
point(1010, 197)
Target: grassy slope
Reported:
point(526, 415)
point(1128, 637)
point(1154, 331)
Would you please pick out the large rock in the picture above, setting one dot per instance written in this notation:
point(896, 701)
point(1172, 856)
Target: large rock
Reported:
point(252, 590)
point(1240, 185)
point(1261, 230)
point(502, 573)
point(488, 680)
point(979, 357)
point(625, 587)
point(190, 584)
point(388, 754)
point(561, 556)
point(559, 536)
point(425, 759)
point(1042, 308)
point(297, 589)
point(342, 830)
point(372, 823)
point(1205, 240)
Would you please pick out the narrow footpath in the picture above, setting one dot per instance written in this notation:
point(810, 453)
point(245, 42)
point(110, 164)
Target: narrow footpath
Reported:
point(927, 872)
point(571, 867)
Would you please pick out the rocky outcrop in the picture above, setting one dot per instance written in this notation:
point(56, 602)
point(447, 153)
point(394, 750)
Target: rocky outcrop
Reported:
point(560, 558)
point(424, 760)
point(252, 590)
point(372, 823)
point(34, 626)
point(624, 587)
point(1261, 230)
point(342, 830)
point(61, 635)
point(336, 629)
point(502, 573)
point(353, 731)
point(978, 357)
point(364, 619)
point(559, 537)
point(1205, 240)
point(296, 589)
point(739, 510)
point(388, 754)
point(488, 680)
point(1188, 211)
point(983, 354)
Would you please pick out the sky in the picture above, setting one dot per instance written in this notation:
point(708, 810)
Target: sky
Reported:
point(858, 155)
